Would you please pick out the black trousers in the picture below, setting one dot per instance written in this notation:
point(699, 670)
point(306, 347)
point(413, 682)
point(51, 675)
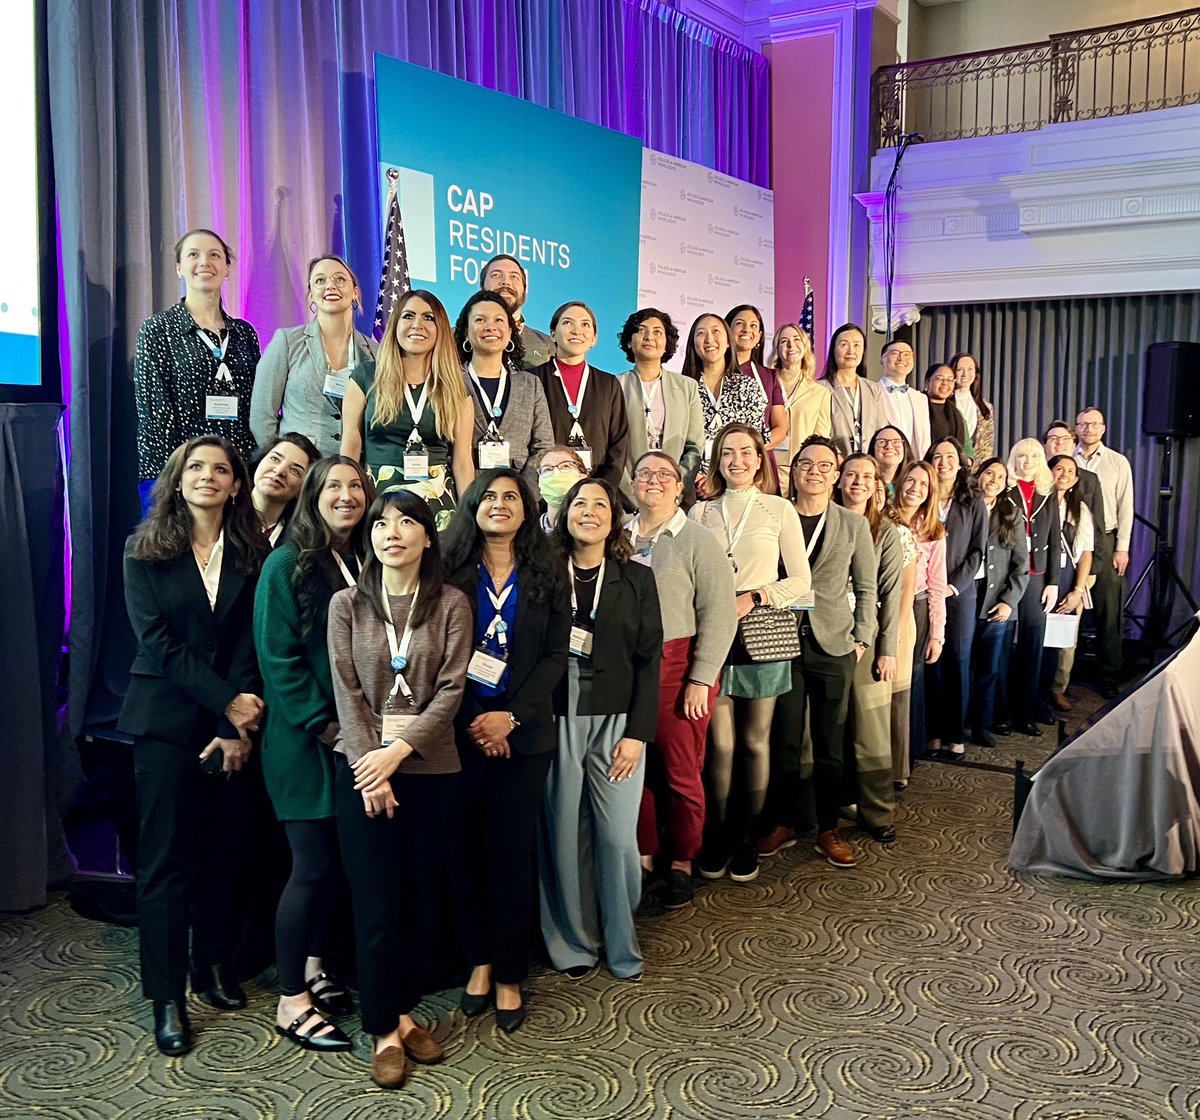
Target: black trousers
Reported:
point(501, 803)
point(1025, 666)
point(820, 688)
point(190, 844)
point(307, 901)
point(948, 681)
point(401, 880)
point(1107, 594)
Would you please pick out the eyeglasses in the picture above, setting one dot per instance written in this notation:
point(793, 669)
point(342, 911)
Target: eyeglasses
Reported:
point(1090, 424)
point(896, 443)
point(645, 475)
point(544, 471)
point(820, 466)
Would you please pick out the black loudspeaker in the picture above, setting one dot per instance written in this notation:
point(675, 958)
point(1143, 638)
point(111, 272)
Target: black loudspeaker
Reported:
point(1171, 390)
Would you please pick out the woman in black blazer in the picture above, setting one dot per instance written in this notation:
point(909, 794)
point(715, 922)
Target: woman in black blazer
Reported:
point(607, 710)
point(190, 572)
point(496, 552)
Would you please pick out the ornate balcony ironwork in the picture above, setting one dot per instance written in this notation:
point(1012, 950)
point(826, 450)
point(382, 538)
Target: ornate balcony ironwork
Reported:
point(1104, 72)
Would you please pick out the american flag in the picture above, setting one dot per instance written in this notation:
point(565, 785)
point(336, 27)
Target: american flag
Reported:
point(806, 312)
point(394, 279)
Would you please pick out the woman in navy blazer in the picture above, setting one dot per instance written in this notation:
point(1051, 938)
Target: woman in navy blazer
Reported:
point(190, 572)
point(496, 552)
point(607, 709)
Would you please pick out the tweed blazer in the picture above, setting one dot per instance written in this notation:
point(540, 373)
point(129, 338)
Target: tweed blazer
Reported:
point(291, 377)
point(874, 413)
point(525, 423)
point(846, 553)
point(683, 432)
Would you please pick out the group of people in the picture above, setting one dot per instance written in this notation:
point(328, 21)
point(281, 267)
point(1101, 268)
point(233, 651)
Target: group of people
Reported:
point(503, 648)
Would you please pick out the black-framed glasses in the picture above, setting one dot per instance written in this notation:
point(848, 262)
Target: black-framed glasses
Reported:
point(821, 466)
point(646, 475)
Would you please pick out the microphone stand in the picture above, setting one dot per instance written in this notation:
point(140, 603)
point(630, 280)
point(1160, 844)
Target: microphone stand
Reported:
point(907, 139)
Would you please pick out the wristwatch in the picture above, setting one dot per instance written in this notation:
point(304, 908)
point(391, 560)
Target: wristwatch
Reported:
point(756, 598)
point(513, 720)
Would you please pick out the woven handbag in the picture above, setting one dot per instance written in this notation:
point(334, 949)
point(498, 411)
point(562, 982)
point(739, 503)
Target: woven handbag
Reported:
point(770, 634)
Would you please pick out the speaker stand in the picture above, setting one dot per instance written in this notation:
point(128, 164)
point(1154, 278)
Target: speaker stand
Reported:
point(1160, 569)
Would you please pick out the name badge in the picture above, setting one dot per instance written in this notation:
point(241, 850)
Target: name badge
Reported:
point(585, 453)
point(581, 642)
point(806, 602)
point(1062, 559)
point(395, 724)
point(218, 407)
point(416, 466)
point(483, 668)
point(335, 384)
point(494, 454)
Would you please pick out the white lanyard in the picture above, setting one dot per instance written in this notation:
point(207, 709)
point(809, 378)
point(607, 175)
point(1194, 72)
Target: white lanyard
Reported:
point(350, 580)
point(417, 410)
point(715, 425)
point(855, 403)
point(599, 581)
point(491, 407)
point(811, 543)
point(573, 406)
point(220, 349)
point(498, 628)
point(737, 533)
point(648, 402)
point(399, 649)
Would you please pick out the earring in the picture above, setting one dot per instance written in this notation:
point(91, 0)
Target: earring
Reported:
point(313, 307)
point(466, 345)
point(510, 347)
point(354, 304)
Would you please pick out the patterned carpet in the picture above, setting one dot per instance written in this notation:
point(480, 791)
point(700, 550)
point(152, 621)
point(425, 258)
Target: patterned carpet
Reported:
point(928, 982)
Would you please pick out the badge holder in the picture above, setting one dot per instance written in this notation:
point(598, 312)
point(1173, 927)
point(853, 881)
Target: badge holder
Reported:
point(398, 709)
point(416, 462)
point(486, 668)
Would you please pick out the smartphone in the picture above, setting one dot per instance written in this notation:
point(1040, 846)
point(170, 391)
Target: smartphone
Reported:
point(214, 763)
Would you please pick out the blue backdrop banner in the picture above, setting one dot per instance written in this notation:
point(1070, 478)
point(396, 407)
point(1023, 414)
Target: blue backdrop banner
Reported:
point(479, 173)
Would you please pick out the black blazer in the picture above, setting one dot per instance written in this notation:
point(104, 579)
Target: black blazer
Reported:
point(626, 651)
point(1093, 497)
point(605, 424)
point(966, 538)
point(1006, 574)
point(536, 663)
point(191, 660)
point(1044, 546)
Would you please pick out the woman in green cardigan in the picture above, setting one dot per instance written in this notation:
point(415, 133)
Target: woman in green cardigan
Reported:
point(320, 555)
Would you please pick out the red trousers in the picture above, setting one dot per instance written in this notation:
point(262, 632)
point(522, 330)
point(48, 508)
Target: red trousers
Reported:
point(674, 792)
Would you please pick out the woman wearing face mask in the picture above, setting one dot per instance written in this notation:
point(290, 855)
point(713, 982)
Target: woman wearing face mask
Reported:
point(322, 555)
point(606, 711)
point(696, 593)
point(512, 419)
point(977, 413)
point(663, 407)
point(965, 520)
point(944, 418)
point(399, 643)
point(749, 338)
point(557, 471)
point(587, 407)
point(410, 410)
point(857, 406)
point(807, 403)
point(304, 370)
point(891, 450)
point(1000, 583)
point(1036, 500)
point(917, 508)
point(1075, 568)
point(278, 471)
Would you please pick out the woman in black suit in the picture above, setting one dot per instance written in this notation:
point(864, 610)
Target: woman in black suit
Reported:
point(497, 554)
point(607, 709)
point(190, 572)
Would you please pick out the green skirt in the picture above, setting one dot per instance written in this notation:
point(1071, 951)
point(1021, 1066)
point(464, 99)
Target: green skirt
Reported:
point(757, 682)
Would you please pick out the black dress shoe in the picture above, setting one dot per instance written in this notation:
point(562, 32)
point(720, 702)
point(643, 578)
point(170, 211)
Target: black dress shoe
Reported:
point(471, 1005)
point(884, 833)
point(1029, 729)
point(217, 987)
point(172, 1031)
point(984, 738)
point(1002, 729)
point(509, 1021)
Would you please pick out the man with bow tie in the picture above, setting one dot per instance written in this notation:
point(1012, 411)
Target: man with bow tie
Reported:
point(906, 406)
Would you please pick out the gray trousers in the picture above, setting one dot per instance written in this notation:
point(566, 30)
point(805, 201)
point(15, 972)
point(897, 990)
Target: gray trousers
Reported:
point(588, 865)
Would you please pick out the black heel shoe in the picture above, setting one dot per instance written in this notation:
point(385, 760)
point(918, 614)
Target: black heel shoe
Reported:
point(216, 987)
point(472, 1005)
point(509, 1021)
point(172, 1031)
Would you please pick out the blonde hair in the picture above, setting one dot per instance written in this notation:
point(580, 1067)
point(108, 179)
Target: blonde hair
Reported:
point(808, 359)
point(1043, 480)
point(926, 524)
point(447, 391)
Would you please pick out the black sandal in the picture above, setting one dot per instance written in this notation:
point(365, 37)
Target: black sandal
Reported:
point(333, 1039)
point(329, 995)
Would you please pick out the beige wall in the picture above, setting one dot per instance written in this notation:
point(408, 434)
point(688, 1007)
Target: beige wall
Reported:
point(979, 25)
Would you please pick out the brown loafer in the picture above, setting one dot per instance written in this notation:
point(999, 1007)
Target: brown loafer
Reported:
point(776, 840)
point(835, 849)
point(1060, 701)
point(422, 1047)
point(388, 1067)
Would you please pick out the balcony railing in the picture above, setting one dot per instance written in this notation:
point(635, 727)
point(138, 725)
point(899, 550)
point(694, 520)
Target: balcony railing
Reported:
point(1104, 72)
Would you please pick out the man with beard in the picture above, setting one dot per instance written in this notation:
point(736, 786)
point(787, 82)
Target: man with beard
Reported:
point(506, 276)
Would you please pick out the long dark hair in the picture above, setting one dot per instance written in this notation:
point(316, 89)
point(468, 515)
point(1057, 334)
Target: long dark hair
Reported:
point(962, 492)
point(692, 366)
point(166, 531)
point(316, 575)
point(514, 358)
point(1072, 498)
point(909, 454)
point(976, 389)
point(296, 440)
point(432, 574)
point(1002, 519)
point(617, 546)
point(756, 355)
point(830, 370)
point(543, 576)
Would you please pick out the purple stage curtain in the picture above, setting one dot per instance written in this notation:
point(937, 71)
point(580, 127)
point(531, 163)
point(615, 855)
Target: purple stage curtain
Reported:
point(258, 120)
